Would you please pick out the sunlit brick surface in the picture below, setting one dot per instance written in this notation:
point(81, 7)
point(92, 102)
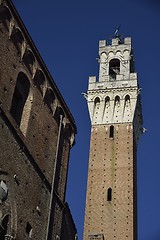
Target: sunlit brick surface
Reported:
point(111, 166)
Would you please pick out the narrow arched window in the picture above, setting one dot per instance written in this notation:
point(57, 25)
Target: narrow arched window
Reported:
point(111, 132)
point(49, 99)
point(17, 39)
point(39, 80)
point(107, 101)
point(6, 17)
point(97, 101)
point(109, 194)
point(57, 115)
point(29, 60)
point(117, 100)
point(127, 98)
point(114, 68)
point(20, 95)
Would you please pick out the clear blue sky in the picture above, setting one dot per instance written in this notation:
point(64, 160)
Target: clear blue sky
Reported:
point(66, 34)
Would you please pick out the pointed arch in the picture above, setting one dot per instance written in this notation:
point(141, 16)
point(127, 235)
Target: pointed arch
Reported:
point(59, 112)
point(127, 98)
point(17, 39)
point(107, 100)
point(29, 60)
point(117, 100)
point(49, 99)
point(21, 102)
point(96, 109)
point(39, 80)
point(96, 100)
point(69, 133)
point(5, 16)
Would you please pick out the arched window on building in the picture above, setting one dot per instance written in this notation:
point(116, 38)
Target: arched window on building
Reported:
point(58, 113)
point(109, 194)
point(117, 100)
point(111, 132)
point(114, 68)
point(132, 68)
point(107, 101)
point(49, 99)
point(127, 98)
point(5, 16)
point(39, 80)
point(17, 39)
point(21, 102)
point(29, 60)
point(97, 101)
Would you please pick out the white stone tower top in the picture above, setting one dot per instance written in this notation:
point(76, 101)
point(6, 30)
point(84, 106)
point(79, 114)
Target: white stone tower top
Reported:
point(114, 98)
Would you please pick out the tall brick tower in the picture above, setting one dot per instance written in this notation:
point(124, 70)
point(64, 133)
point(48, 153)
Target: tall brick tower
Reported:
point(116, 124)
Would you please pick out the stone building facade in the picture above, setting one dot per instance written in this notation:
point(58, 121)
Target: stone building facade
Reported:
point(37, 132)
point(116, 124)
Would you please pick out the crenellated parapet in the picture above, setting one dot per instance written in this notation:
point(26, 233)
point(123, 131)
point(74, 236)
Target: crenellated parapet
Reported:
point(116, 60)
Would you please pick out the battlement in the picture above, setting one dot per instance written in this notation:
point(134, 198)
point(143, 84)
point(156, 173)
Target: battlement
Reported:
point(115, 42)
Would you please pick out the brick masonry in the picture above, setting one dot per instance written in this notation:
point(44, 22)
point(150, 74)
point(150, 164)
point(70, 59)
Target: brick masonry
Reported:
point(111, 166)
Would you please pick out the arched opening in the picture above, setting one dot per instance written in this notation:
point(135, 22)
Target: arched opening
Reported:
point(114, 68)
point(49, 99)
point(96, 109)
point(117, 100)
point(69, 133)
point(59, 112)
point(132, 68)
point(29, 60)
point(109, 194)
point(39, 80)
point(29, 229)
point(127, 98)
point(3, 226)
point(97, 100)
point(17, 39)
point(5, 16)
point(21, 102)
point(111, 132)
point(107, 101)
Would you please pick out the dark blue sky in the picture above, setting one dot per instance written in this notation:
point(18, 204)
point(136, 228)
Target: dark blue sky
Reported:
point(66, 34)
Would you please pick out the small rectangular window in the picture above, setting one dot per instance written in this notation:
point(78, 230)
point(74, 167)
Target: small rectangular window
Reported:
point(111, 132)
point(109, 195)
